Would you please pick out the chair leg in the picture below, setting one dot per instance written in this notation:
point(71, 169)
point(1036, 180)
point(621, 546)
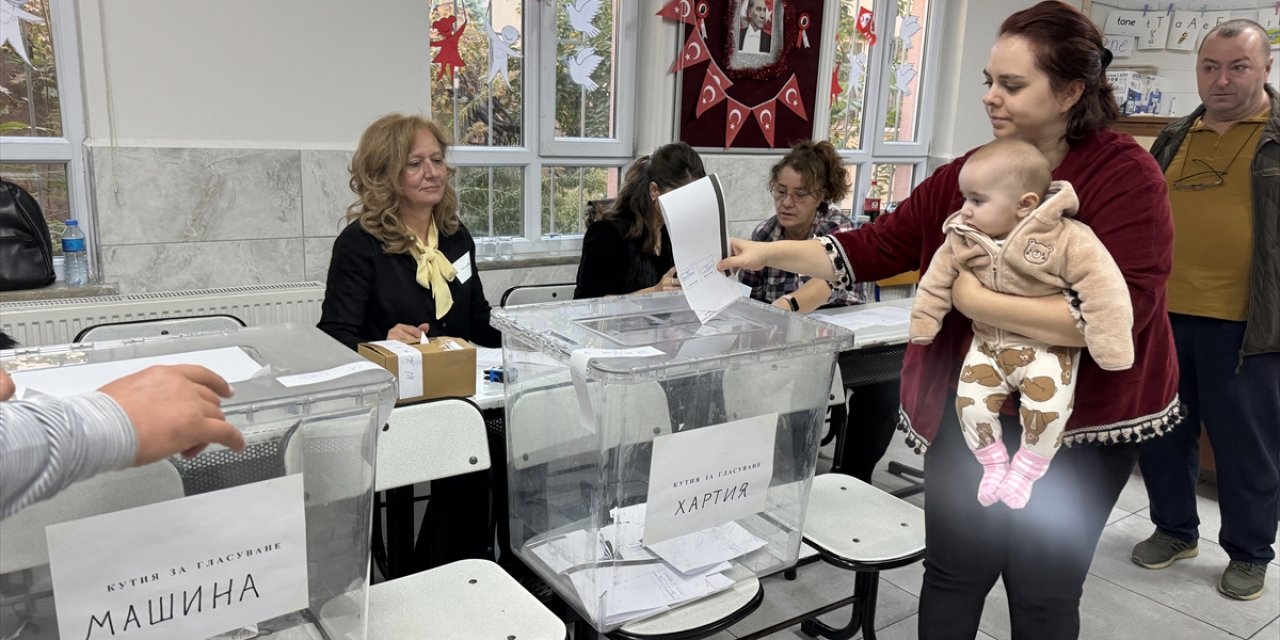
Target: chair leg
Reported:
point(863, 617)
point(915, 475)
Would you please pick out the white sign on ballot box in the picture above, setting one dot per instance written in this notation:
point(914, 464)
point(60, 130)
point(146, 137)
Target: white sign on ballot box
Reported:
point(705, 477)
point(187, 568)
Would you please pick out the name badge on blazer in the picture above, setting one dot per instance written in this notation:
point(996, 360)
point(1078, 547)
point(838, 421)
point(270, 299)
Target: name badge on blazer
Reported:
point(463, 268)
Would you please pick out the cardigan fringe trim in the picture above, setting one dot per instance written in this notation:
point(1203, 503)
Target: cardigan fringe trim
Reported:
point(1126, 431)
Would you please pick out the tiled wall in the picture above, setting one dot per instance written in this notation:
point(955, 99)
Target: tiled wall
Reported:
point(191, 218)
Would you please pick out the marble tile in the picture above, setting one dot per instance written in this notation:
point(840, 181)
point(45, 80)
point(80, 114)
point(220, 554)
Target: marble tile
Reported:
point(745, 183)
point(1270, 632)
point(199, 265)
point(1188, 586)
point(1133, 497)
point(497, 281)
point(326, 191)
point(316, 255)
point(742, 228)
point(193, 194)
point(908, 630)
point(817, 585)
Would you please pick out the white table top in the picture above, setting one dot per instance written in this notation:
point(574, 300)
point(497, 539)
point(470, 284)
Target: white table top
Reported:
point(873, 334)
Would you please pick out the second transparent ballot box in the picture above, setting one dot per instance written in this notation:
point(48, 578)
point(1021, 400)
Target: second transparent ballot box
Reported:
point(654, 460)
point(269, 542)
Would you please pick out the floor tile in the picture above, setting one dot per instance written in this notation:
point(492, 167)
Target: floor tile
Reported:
point(1270, 632)
point(817, 585)
point(1134, 495)
point(1189, 586)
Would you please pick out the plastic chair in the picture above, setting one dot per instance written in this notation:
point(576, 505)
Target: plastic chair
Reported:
point(425, 442)
point(153, 327)
point(535, 293)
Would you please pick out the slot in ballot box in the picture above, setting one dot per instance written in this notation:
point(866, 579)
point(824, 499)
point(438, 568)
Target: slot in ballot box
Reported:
point(270, 542)
point(654, 460)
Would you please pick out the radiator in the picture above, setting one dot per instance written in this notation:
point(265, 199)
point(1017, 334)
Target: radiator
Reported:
point(46, 322)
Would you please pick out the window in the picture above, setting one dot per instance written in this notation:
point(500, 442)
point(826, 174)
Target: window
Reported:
point(881, 99)
point(41, 124)
point(540, 109)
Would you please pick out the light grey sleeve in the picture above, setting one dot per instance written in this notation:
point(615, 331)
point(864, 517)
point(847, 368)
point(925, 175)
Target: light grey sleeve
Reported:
point(48, 443)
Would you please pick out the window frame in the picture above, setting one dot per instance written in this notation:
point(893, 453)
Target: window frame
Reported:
point(875, 150)
point(67, 149)
point(539, 148)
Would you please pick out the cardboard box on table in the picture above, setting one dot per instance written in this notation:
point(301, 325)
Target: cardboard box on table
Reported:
point(309, 409)
point(654, 460)
point(441, 368)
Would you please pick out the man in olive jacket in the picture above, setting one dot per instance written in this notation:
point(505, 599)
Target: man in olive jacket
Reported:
point(1222, 164)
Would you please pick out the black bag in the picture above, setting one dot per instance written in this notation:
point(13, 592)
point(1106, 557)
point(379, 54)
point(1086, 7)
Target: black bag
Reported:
point(26, 252)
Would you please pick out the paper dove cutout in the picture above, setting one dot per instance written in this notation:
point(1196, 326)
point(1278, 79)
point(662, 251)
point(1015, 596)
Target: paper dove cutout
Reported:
point(903, 77)
point(910, 27)
point(582, 65)
point(11, 17)
point(499, 50)
point(582, 16)
point(859, 64)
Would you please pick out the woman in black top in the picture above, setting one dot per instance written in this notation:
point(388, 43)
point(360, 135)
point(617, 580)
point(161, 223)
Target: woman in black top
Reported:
point(629, 251)
point(407, 265)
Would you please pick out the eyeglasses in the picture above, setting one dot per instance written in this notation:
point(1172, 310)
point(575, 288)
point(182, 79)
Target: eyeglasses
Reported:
point(780, 193)
point(1208, 179)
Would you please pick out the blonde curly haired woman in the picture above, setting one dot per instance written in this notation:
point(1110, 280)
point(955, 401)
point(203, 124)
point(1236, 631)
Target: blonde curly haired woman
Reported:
point(405, 264)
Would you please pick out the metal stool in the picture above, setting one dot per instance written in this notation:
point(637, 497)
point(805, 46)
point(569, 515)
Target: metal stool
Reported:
point(858, 527)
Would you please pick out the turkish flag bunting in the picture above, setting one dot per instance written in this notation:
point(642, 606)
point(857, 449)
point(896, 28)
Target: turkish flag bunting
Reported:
point(735, 117)
point(694, 51)
point(714, 89)
point(681, 10)
point(766, 116)
point(790, 96)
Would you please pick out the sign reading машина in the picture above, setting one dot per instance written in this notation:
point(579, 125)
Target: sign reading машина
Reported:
point(187, 568)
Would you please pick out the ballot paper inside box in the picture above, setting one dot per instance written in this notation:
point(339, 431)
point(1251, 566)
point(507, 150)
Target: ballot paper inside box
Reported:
point(654, 460)
point(277, 536)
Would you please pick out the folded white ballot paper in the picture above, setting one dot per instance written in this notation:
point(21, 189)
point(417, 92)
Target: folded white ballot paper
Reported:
point(618, 578)
point(694, 215)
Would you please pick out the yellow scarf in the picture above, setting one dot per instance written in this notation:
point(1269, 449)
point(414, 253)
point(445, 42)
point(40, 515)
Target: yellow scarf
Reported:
point(434, 271)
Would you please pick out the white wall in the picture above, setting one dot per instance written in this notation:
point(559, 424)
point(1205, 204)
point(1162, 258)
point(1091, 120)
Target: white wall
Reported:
point(246, 73)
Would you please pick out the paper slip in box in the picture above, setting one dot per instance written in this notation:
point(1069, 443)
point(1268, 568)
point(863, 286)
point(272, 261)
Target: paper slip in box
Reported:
point(441, 368)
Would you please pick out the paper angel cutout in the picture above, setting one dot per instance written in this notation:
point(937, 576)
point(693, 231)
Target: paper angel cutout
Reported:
point(903, 77)
point(11, 17)
point(910, 27)
point(500, 49)
point(858, 69)
point(448, 57)
point(582, 16)
point(582, 65)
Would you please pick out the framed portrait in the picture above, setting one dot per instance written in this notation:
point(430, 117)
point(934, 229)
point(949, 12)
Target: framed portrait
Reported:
point(755, 33)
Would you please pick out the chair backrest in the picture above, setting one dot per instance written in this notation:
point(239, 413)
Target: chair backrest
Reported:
point(534, 293)
point(22, 540)
point(159, 327)
point(432, 440)
point(755, 390)
point(543, 424)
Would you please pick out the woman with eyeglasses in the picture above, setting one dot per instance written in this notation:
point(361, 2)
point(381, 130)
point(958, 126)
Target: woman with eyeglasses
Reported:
point(1046, 78)
point(805, 185)
point(629, 251)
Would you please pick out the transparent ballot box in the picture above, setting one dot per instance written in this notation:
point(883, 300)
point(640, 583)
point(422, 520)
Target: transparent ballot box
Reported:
point(270, 542)
point(654, 460)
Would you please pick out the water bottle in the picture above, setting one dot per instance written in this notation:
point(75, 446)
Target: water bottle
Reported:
point(75, 255)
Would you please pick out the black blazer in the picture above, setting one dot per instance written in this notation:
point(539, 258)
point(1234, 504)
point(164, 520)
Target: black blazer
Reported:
point(611, 264)
point(369, 291)
point(766, 40)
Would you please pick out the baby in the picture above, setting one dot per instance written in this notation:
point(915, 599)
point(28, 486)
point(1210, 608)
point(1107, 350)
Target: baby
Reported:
point(1015, 234)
